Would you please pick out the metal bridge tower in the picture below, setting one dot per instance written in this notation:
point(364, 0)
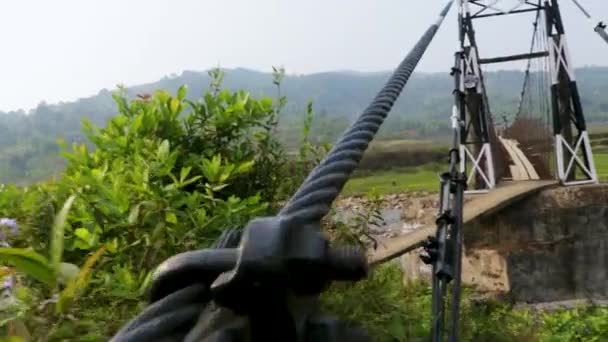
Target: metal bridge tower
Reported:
point(473, 107)
point(572, 149)
point(478, 145)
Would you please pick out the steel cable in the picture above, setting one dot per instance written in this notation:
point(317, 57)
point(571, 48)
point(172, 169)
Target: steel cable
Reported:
point(313, 200)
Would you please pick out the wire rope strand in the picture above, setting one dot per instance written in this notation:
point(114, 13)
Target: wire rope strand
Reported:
point(315, 196)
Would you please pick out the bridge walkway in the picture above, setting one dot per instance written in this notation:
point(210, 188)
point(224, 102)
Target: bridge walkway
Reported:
point(481, 204)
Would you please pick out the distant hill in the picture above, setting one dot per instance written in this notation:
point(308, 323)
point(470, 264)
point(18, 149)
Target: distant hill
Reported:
point(27, 140)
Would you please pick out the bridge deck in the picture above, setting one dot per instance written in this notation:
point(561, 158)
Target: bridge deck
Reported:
point(522, 168)
point(481, 204)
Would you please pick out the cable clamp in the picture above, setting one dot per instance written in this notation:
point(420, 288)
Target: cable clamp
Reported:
point(446, 218)
point(431, 250)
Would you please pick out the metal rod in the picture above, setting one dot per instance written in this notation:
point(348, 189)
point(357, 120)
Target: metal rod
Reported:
point(523, 56)
point(582, 9)
point(448, 238)
point(479, 16)
point(458, 176)
point(457, 231)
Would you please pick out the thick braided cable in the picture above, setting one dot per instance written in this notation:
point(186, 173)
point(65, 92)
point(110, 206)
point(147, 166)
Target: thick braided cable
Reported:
point(315, 196)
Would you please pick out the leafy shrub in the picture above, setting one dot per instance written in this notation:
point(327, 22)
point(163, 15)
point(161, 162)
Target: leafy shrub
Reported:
point(165, 175)
point(490, 320)
point(391, 311)
point(381, 304)
point(356, 230)
point(579, 324)
point(168, 174)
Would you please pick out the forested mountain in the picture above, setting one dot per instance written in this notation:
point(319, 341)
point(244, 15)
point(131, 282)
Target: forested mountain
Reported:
point(27, 140)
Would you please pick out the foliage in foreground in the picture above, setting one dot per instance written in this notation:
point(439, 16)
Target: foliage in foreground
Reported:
point(392, 311)
point(166, 175)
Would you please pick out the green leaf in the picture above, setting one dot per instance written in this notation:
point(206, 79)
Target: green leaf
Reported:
point(163, 150)
point(182, 91)
point(29, 263)
point(112, 246)
point(121, 103)
point(57, 234)
point(170, 187)
point(81, 244)
point(218, 187)
point(134, 214)
point(145, 284)
point(98, 174)
point(266, 104)
point(171, 218)
point(83, 234)
point(202, 214)
point(85, 240)
point(174, 105)
point(121, 141)
point(191, 180)
point(211, 168)
point(137, 123)
point(145, 178)
point(245, 167)
point(162, 95)
point(226, 173)
point(184, 173)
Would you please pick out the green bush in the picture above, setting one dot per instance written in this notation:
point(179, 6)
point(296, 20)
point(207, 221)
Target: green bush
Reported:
point(391, 311)
point(580, 324)
point(164, 176)
point(490, 320)
point(166, 183)
point(168, 174)
point(381, 304)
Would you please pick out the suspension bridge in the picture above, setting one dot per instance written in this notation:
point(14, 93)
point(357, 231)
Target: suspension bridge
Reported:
point(544, 143)
point(547, 136)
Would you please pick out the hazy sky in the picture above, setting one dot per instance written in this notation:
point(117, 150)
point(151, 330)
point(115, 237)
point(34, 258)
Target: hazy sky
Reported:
point(64, 49)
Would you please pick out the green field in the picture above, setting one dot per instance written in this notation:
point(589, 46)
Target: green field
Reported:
point(422, 178)
point(601, 164)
